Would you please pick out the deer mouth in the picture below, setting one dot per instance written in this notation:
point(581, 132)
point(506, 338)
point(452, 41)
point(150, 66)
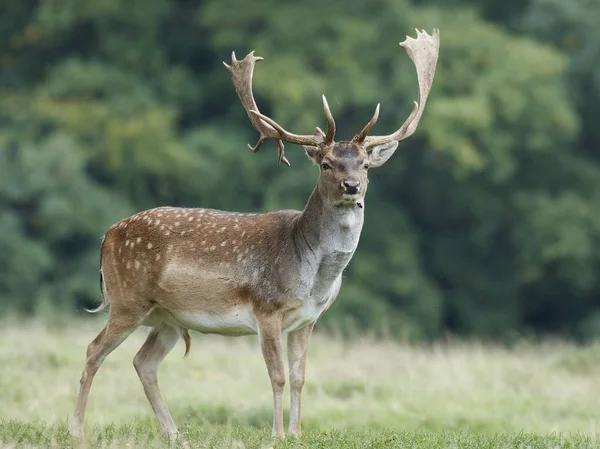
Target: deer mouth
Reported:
point(351, 200)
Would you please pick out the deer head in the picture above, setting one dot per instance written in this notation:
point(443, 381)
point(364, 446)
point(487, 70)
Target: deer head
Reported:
point(344, 165)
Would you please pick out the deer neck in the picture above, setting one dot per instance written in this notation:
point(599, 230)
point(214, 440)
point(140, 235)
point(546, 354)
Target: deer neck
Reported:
point(325, 238)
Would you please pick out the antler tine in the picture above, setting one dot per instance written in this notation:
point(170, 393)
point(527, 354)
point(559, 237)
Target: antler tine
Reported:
point(286, 136)
point(330, 122)
point(360, 137)
point(423, 52)
point(241, 74)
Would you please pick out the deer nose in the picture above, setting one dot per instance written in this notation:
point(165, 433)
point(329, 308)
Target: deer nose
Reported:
point(351, 186)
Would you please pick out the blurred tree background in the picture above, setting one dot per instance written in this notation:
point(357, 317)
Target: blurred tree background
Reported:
point(486, 222)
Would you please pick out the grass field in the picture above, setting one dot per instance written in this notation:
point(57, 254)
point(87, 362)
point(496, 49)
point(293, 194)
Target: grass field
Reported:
point(363, 394)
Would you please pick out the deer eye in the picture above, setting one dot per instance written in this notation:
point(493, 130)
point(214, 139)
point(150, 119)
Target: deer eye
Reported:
point(325, 166)
point(366, 166)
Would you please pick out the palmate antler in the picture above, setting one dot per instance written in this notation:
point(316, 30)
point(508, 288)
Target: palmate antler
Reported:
point(241, 74)
point(423, 52)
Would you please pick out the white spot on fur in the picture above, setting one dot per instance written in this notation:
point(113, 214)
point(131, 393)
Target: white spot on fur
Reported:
point(128, 265)
point(176, 223)
point(126, 242)
point(139, 239)
point(224, 243)
point(168, 233)
point(243, 233)
point(158, 257)
point(137, 264)
point(149, 246)
point(191, 219)
point(212, 248)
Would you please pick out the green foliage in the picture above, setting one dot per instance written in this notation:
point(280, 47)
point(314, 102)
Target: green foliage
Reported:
point(570, 28)
point(484, 223)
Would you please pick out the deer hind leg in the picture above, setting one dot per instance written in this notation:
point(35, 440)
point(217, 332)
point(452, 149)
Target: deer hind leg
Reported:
point(158, 344)
point(119, 326)
point(270, 343)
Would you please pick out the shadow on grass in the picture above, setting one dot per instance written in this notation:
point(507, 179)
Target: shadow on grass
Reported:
point(221, 414)
point(258, 418)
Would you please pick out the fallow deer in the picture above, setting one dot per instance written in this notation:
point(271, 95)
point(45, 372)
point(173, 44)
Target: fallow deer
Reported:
point(175, 269)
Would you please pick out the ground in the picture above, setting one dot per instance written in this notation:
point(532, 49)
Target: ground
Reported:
point(364, 393)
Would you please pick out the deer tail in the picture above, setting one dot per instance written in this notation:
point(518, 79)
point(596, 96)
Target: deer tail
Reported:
point(105, 297)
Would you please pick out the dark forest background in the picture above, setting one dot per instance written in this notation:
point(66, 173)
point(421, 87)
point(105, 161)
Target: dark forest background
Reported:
point(485, 223)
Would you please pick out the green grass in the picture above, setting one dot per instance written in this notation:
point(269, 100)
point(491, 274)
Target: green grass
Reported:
point(364, 394)
point(218, 436)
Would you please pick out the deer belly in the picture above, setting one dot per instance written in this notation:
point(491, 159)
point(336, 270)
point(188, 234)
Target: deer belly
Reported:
point(239, 321)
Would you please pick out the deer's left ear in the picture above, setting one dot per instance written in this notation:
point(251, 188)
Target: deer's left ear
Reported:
point(313, 153)
point(381, 153)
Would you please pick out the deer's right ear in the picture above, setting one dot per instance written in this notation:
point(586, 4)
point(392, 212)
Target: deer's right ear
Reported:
point(313, 153)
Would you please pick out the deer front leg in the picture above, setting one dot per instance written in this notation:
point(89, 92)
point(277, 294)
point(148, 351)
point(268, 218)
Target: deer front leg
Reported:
point(297, 349)
point(270, 343)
